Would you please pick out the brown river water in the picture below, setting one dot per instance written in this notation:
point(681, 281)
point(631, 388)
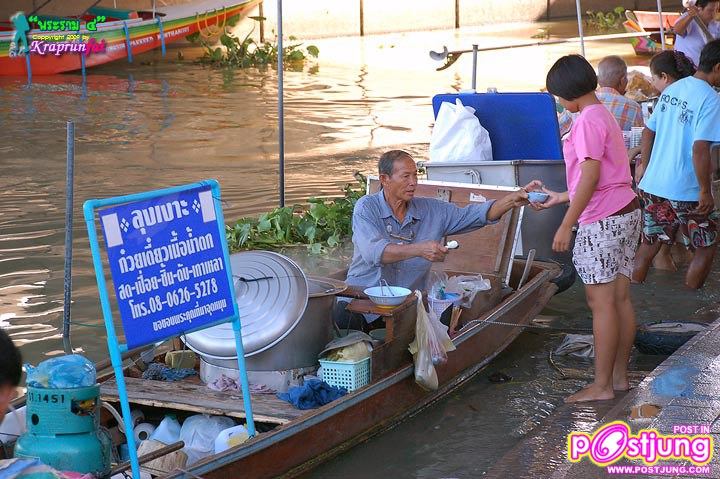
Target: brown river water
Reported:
point(162, 122)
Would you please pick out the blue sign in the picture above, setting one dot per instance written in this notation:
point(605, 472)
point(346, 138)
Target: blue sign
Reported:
point(167, 264)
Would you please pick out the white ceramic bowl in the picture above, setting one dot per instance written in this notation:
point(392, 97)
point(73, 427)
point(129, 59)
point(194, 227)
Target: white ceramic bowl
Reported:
point(387, 296)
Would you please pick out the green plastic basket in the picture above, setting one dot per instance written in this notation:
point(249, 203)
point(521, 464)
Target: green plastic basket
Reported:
point(350, 376)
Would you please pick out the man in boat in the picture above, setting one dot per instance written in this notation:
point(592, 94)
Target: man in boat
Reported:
point(397, 236)
point(612, 86)
point(10, 371)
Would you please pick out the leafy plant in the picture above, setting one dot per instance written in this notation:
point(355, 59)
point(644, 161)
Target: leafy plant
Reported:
point(320, 225)
point(605, 21)
point(245, 53)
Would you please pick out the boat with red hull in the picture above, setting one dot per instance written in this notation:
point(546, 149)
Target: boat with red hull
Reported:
point(132, 32)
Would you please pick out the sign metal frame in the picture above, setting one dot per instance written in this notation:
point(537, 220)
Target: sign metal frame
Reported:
point(90, 208)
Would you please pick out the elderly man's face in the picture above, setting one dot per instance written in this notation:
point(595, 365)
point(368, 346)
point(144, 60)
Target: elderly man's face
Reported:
point(401, 184)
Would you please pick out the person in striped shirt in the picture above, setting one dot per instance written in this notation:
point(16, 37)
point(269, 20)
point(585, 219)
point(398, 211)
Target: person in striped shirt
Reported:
point(612, 81)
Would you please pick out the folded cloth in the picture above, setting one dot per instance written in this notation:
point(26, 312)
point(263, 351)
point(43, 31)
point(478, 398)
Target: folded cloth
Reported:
point(314, 393)
point(163, 372)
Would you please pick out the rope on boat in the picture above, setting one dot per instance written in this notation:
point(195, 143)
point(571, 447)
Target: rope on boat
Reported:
point(158, 20)
point(127, 41)
point(530, 326)
point(207, 32)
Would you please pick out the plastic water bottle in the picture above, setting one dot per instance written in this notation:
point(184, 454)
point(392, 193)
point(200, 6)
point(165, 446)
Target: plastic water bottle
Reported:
point(230, 437)
point(168, 431)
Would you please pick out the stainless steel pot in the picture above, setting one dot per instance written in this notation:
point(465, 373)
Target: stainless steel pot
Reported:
point(300, 347)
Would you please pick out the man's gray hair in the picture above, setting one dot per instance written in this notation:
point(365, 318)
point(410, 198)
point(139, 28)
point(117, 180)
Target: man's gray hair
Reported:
point(611, 70)
point(386, 164)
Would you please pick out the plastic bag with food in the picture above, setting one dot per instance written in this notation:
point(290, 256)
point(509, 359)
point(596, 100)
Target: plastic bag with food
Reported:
point(430, 346)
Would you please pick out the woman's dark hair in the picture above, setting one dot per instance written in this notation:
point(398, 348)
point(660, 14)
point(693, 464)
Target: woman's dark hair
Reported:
point(571, 77)
point(672, 63)
point(710, 56)
point(10, 361)
point(704, 3)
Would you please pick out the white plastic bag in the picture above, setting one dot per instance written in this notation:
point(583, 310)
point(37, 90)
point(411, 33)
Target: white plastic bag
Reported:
point(430, 346)
point(199, 432)
point(467, 287)
point(458, 136)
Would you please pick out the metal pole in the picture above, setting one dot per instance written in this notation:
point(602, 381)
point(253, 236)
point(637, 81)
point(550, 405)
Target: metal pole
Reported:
point(662, 27)
point(362, 18)
point(261, 14)
point(457, 13)
point(578, 8)
point(474, 71)
point(281, 123)
point(68, 234)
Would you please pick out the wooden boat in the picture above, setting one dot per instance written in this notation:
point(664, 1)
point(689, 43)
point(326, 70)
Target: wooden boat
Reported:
point(143, 34)
point(292, 441)
point(648, 21)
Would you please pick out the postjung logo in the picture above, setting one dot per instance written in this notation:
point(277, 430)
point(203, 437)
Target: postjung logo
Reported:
point(53, 38)
point(615, 441)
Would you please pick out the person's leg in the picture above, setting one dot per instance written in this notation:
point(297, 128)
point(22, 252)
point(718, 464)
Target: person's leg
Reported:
point(627, 329)
point(659, 222)
point(700, 267)
point(664, 260)
point(700, 232)
point(643, 259)
point(601, 299)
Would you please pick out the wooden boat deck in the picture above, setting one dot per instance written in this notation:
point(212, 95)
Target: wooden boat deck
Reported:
point(187, 396)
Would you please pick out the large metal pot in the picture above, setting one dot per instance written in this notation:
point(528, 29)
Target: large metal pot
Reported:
point(285, 316)
point(301, 347)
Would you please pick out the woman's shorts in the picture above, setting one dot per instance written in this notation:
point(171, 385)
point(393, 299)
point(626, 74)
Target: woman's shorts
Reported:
point(663, 218)
point(605, 248)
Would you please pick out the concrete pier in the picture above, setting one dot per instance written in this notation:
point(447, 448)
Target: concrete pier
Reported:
point(685, 388)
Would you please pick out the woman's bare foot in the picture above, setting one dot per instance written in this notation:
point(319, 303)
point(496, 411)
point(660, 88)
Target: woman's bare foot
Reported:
point(621, 386)
point(591, 393)
point(621, 383)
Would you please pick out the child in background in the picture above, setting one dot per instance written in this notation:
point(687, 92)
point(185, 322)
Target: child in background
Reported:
point(10, 371)
point(603, 202)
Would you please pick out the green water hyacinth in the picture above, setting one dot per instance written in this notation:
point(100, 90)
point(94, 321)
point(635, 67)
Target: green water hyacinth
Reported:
point(246, 53)
point(321, 224)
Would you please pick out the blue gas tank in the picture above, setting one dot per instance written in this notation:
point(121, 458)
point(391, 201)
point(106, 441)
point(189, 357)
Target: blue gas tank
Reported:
point(63, 430)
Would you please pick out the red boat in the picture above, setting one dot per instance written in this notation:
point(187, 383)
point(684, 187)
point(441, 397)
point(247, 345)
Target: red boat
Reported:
point(123, 33)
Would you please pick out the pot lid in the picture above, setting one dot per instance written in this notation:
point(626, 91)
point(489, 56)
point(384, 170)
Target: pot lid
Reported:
point(271, 293)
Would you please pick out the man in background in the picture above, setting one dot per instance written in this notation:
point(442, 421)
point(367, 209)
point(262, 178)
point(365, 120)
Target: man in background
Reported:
point(612, 86)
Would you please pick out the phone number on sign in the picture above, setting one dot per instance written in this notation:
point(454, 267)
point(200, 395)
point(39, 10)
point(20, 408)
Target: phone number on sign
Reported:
point(174, 298)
